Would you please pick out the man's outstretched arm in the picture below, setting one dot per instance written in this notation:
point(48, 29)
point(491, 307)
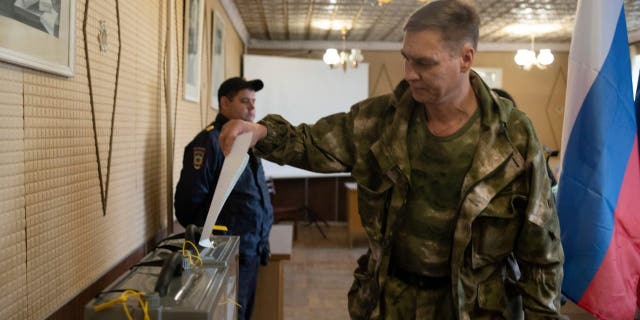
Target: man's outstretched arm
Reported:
point(234, 128)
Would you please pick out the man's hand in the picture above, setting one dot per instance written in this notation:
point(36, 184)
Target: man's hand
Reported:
point(234, 128)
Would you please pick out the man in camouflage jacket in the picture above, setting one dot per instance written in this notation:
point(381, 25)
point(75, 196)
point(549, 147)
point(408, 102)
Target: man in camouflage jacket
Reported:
point(507, 204)
point(505, 209)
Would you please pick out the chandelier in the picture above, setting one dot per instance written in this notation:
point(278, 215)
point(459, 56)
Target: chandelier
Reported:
point(343, 59)
point(527, 58)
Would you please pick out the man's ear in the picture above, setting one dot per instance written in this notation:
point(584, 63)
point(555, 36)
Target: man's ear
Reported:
point(224, 102)
point(466, 59)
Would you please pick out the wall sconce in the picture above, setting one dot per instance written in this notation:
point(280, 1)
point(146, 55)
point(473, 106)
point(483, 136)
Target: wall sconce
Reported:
point(526, 58)
point(344, 58)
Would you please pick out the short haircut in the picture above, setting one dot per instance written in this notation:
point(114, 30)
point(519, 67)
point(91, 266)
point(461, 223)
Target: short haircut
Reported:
point(457, 21)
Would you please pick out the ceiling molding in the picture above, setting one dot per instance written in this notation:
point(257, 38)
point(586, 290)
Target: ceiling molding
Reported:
point(236, 20)
point(385, 45)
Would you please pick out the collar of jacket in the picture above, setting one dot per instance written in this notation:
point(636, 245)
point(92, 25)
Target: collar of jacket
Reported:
point(494, 144)
point(220, 120)
point(391, 149)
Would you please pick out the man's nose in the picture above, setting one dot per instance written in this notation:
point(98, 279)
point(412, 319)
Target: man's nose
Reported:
point(409, 73)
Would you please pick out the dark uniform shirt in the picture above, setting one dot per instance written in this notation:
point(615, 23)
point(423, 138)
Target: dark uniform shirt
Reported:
point(247, 212)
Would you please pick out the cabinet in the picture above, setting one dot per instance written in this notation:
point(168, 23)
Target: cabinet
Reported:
point(270, 291)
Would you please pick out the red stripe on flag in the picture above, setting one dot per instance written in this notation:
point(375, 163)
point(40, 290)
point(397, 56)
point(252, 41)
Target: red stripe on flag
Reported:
point(612, 293)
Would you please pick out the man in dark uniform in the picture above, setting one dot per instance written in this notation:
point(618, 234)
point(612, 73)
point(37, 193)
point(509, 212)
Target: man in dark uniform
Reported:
point(247, 212)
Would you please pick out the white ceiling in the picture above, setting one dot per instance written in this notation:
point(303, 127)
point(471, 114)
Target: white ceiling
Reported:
point(297, 24)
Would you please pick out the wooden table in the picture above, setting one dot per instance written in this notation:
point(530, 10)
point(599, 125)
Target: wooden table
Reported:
point(270, 291)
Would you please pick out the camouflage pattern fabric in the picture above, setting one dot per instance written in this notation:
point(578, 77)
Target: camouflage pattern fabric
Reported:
point(403, 301)
point(505, 204)
point(438, 167)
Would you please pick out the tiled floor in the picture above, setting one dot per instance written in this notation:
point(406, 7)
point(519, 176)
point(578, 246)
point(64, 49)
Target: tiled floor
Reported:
point(320, 273)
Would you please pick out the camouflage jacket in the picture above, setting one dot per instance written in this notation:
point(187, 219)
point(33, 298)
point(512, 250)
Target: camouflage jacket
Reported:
point(506, 206)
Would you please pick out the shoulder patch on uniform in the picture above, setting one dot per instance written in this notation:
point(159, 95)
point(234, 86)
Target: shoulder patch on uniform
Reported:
point(209, 128)
point(198, 157)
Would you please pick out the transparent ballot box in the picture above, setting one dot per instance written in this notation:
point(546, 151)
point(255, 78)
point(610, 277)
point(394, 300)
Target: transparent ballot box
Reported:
point(177, 280)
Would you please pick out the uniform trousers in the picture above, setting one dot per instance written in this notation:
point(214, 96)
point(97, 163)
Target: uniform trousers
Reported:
point(247, 281)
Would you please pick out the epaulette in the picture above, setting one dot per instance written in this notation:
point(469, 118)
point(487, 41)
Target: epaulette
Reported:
point(209, 128)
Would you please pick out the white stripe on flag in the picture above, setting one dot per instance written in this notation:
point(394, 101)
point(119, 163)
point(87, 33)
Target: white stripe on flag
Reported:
point(592, 36)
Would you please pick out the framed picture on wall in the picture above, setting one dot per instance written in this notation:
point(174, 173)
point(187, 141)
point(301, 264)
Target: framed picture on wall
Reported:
point(38, 34)
point(217, 58)
point(192, 56)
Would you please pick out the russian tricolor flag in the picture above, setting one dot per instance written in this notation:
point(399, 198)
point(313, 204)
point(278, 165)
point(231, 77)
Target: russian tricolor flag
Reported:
point(599, 190)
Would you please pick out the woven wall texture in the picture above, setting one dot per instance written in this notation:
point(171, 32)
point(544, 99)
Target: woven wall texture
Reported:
point(13, 303)
point(56, 238)
point(71, 241)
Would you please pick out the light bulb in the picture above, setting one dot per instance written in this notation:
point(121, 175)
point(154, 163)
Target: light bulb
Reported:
point(344, 57)
point(356, 56)
point(545, 57)
point(331, 57)
point(525, 57)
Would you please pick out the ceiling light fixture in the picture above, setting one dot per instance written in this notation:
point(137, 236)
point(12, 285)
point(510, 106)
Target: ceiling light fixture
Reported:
point(345, 59)
point(527, 58)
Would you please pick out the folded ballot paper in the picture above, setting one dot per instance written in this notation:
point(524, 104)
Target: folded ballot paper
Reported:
point(232, 167)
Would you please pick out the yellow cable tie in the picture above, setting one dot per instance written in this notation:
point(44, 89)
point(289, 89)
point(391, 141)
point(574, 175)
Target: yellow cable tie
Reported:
point(190, 243)
point(188, 254)
point(220, 228)
point(229, 300)
point(123, 299)
point(108, 304)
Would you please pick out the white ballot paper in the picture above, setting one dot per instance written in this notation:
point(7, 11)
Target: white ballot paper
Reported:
point(232, 167)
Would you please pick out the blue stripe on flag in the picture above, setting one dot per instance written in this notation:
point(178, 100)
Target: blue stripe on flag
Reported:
point(595, 162)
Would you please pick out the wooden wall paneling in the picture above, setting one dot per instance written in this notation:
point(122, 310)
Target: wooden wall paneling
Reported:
point(326, 196)
point(289, 193)
point(323, 197)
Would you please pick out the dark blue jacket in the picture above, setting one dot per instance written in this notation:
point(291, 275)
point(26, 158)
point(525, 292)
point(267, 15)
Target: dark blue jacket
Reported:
point(247, 212)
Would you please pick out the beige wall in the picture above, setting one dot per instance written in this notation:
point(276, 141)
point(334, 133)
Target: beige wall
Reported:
point(540, 93)
point(55, 237)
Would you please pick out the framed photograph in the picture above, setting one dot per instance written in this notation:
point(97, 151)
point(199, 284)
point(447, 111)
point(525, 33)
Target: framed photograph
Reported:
point(216, 76)
point(38, 34)
point(193, 25)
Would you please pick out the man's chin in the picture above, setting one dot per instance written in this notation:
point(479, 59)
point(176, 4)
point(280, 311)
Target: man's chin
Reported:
point(422, 98)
